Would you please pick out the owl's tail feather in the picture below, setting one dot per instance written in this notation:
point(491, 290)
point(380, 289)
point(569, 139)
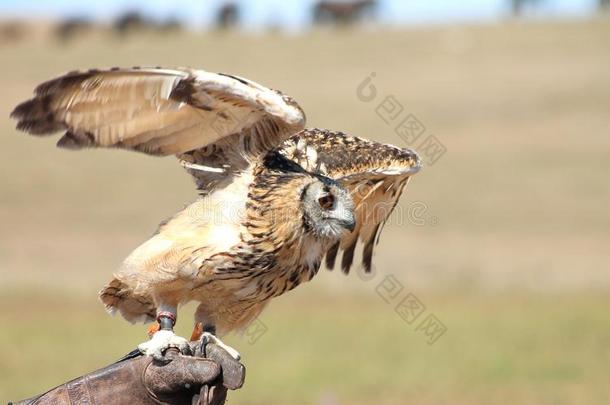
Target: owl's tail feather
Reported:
point(118, 296)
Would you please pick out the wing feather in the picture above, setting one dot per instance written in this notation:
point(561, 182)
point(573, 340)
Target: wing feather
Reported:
point(162, 112)
point(375, 174)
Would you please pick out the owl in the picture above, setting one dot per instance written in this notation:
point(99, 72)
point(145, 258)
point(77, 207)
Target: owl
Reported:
point(275, 200)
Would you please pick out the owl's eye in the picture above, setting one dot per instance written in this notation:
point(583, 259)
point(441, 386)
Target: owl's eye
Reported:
point(327, 201)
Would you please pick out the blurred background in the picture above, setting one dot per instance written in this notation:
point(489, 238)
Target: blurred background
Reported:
point(491, 282)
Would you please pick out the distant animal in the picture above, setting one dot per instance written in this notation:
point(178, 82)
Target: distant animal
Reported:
point(275, 199)
point(342, 12)
point(518, 6)
point(130, 22)
point(72, 27)
point(169, 25)
point(227, 16)
point(133, 21)
point(12, 31)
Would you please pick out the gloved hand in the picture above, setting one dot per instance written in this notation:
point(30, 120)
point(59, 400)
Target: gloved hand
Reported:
point(199, 379)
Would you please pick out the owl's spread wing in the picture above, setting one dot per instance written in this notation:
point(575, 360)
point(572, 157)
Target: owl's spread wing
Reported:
point(162, 112)
point(374, 173)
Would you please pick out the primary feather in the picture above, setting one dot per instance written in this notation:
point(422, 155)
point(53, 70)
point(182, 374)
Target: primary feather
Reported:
point(275, 199)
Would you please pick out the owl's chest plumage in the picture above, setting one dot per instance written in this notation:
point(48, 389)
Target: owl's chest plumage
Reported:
point(253, 242)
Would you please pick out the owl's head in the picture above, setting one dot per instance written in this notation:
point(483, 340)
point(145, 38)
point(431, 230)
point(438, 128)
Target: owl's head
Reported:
point(328, 209)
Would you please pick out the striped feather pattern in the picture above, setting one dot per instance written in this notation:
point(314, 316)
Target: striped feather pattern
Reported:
point(161, 112)
point(374, 173)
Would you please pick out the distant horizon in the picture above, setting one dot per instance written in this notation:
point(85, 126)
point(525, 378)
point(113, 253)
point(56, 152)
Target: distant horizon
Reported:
point(290, 15)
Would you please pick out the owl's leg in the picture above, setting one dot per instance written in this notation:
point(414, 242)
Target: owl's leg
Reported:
point(206, 319)
point(165, 337)
point(209, 336)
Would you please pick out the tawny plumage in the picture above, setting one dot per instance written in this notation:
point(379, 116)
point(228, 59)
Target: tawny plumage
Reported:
point(274, 198)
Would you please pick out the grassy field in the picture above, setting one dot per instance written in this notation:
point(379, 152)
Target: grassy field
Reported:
point(510, 251)
point(498, 348)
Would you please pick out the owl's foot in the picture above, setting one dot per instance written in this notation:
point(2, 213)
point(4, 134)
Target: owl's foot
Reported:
point(207, 337)
point(197, 332)
point(161, 341)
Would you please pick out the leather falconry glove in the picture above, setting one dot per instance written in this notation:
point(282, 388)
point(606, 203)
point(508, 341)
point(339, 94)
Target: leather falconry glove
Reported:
point(202, 378)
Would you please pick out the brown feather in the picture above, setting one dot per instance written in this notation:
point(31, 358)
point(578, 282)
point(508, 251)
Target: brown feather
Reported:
point(370, 170)
point(260, 246)
point(162, 112)
point(331, 256)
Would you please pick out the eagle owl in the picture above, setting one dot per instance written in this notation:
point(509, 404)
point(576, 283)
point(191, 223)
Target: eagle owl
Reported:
point(275, 199)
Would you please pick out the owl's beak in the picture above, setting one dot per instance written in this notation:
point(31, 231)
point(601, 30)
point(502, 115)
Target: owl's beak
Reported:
point(348, 223)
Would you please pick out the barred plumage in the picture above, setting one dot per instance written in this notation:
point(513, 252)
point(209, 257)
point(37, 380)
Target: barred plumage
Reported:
point(275, 199)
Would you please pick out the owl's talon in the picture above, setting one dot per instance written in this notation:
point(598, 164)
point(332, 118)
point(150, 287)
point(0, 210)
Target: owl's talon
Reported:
point(160, 358)
point(161, 341)
point(208, 337)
